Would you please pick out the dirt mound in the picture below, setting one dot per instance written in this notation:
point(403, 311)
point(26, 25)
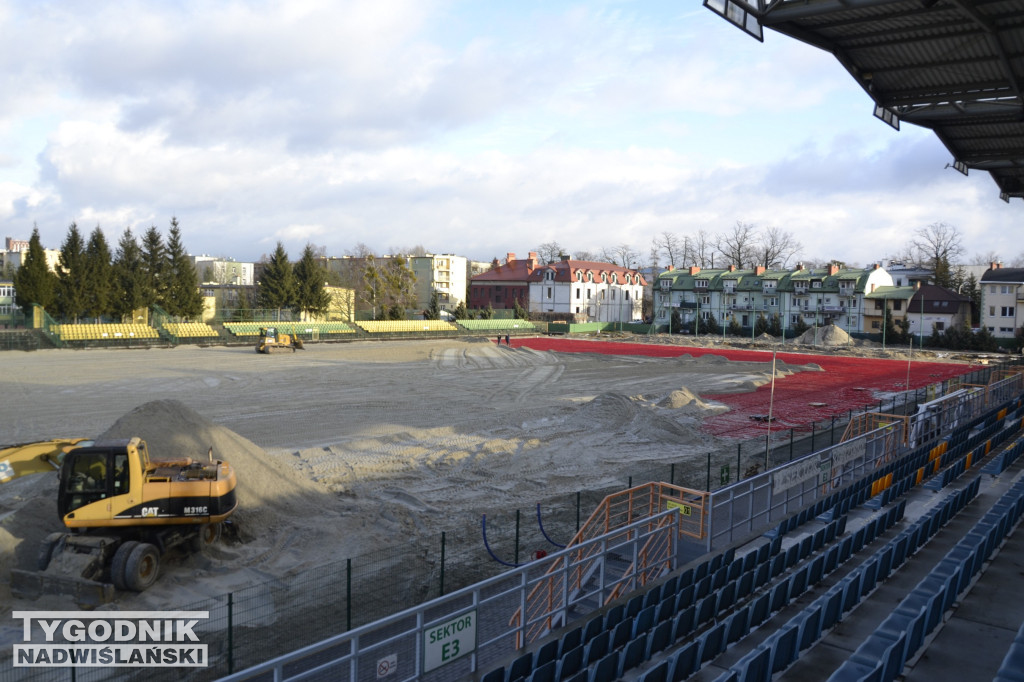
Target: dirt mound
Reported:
point(269, 493)
point(765, 338)
point(829, 335)
point(684, 399)
point(606, 411)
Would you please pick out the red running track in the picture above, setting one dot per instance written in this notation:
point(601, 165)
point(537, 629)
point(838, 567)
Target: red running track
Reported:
point(846, 384)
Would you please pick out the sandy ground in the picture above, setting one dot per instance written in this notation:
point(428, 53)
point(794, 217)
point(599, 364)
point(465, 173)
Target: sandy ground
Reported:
point(345, 448)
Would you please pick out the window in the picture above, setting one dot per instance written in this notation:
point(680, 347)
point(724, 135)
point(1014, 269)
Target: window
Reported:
point(992, 289)
point(627, 294)
point(816, 284)
point(773, 301)
point(588, 294)
point(1005, 289)
point(549, 292)
point(940, 326)
point(878, 305)
point(613, 294)
point(1006, 311)
point(577, 294)
point(991, 311)
point(1006, 329)
point(897, 305)
point(875, 324)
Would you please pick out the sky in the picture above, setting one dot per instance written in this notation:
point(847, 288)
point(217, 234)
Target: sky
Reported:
point(475, 128)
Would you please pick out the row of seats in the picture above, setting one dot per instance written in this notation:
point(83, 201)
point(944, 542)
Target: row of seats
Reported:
point(497, 325)
point(253, 328)
point(96, 332)
point(1004, 459)
point(190, 330)
point(883, 655)
point(405, 326)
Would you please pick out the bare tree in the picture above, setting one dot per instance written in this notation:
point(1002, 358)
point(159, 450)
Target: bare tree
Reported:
point(549, 252)
point(738, 246)
point(585, 255)
point(989, 257)
point(672, 247)
point(702, 250)
point(775, 246)
point(1017, 262)
point(936, 244)
point(625, 255)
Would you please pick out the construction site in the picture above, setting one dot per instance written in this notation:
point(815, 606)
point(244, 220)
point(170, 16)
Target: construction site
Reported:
point(380, 449)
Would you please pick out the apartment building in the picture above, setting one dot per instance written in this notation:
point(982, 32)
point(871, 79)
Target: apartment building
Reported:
point(1002, 300)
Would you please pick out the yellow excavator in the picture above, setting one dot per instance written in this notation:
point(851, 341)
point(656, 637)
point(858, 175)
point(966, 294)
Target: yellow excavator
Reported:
point(123, 511)
point(273, 341)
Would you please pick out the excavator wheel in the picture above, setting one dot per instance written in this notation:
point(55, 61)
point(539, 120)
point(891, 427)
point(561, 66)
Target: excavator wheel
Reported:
point(207, 536)
point(142, 567)
point(47, 549)
point(118, 563)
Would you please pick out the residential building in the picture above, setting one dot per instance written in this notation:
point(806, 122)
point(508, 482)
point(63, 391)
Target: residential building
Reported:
point(7, 305)
point(1002, 300)
point(936, 307)
point(213, 270)
point(592, 291)
point(504, 284)
point(832, 295)
point(441, 273)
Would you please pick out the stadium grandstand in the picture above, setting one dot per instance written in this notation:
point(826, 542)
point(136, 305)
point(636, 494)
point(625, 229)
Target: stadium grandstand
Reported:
point(892, 553)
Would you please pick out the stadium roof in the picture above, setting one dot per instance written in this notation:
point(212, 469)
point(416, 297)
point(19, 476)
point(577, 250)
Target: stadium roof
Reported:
point(955, 67)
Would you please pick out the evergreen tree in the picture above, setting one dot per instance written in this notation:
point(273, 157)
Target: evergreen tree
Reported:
point(972, 291)
point(433, 311)
point(521, 313)
point(154, 268)
point(800, 326)
point(461, 313)
point(130, 278)
point(487, 313)
point(99, 285)
point(775, 325)
point(984, 340)
point(372, 289)
point(183, 298)
point(33, 281)
point(71, 272)
point(935, 338)
point(760, 325)
point(710, 325)
point(277, 285)
point(734, 328)
point(311, 299)
point(676, 322)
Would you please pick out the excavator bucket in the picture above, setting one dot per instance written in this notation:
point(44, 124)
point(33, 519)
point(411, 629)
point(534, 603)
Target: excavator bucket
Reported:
point(34, 584)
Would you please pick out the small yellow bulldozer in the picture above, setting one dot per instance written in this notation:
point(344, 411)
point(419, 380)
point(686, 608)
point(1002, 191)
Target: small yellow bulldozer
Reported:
point(272, 341)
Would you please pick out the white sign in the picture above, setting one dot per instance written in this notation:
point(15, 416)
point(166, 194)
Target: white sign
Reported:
point(110, 639)
point(794, 474)
point(448, 641)
point(847, 452)
point(387, 666)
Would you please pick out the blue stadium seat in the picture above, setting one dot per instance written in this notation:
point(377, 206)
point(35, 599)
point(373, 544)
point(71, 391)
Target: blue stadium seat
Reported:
point(544, 673)
point(496, 675)
point(706, 609)
point(634, 606)
point(684, 623)
point(659, 639)
point(685, 598)
point(783, 645)
point(809, 622)
point(832, 609)
point(712, 643)
point(596, 649)
point(520, 667)
point(622, 633)
point(779, 596)
point(754, 667)
point(570, 640)
point(632, 655)
point(570, 663)
point(685, 662)
point(726, 597)
point(593, 628)
point(759, 609)
point(644, 620)
point(614, 616)
point(762, 574)
point(737, 626)
point(607, 669)
point(546, 654)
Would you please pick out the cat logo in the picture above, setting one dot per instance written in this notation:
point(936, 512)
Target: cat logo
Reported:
point(150, 511)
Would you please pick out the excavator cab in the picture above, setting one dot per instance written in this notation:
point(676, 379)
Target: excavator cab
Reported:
point(91, 474)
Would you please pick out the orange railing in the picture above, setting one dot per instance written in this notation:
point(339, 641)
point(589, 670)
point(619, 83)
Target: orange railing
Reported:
point(615, 513)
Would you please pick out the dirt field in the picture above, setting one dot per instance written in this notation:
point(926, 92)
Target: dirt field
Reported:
point(343, 448)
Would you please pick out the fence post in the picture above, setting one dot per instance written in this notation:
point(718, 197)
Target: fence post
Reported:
point(629, 484)
point(739, 450)
point(517, 537)
point(832, 435)
point(348, 594)
point(231, 632)
point(708, 486)
point(812, 436)
point(672, 474)
point(442, 563)
point(791, 445)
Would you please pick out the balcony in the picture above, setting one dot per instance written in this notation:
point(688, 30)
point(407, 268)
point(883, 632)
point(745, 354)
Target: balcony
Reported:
point(832, 309)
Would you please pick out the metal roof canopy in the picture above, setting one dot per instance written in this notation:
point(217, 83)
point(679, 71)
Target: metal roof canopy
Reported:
point(955, 67)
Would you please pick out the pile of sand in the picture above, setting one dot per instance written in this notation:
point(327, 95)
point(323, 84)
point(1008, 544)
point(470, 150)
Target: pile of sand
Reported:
point(829, 335)
point(688, 402)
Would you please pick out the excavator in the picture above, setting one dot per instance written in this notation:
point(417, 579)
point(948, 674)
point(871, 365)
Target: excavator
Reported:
point(123, 511)
point(273, 341)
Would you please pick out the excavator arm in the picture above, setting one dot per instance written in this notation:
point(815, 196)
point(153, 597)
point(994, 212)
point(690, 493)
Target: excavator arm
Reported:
point(36, 458)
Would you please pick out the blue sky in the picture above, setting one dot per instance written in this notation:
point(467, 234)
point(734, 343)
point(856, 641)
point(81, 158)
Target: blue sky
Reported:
point(474, 128)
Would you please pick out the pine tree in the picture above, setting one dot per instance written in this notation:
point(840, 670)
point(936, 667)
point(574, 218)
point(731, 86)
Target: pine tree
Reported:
point(734, 328)
point(154, 268)
point(760, 325)
point(373, 288)
point(433, 311)
point(130, 290)
point(775, 325)
point(182, 298)
point(800, 326)
point(34, 283)
point(71, 271)
point(487, 313)
point(277, 284)
point(460, 312)
point(311, 299)
point(98, 284)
